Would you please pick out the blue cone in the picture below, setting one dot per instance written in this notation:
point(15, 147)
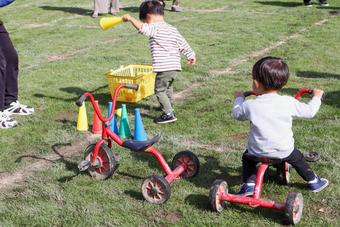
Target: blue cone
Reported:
point(113, 122)
point(139, 133)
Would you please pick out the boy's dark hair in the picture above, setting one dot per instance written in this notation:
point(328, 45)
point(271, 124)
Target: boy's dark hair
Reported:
point(150, 7)
point(271, 72)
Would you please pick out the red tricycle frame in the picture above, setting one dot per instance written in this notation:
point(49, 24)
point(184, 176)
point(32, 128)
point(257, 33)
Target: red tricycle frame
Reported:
point(156, 189)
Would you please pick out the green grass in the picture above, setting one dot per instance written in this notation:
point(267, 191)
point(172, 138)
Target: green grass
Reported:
point(60, 196)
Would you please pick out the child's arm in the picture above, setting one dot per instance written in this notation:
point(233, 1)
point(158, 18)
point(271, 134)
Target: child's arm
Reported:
point(144, 28)
point(5, 2)
point(186, 50)
point(238, 109)
point(308, 110)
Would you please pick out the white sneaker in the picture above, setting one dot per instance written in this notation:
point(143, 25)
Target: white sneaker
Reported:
point(6, 121)
point(18, 109)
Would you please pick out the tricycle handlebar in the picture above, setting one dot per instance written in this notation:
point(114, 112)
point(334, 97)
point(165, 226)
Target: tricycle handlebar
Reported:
point(80, 101)
point(132, 86)
point(298, 95)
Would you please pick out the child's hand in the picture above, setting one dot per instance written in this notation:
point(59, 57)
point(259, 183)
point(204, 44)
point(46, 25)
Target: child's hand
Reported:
point(191, 61)
point(239, 94)
point(318, 93)
point(126, 17)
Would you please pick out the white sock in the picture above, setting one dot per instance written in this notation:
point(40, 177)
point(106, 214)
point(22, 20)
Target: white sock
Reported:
point(313, 181)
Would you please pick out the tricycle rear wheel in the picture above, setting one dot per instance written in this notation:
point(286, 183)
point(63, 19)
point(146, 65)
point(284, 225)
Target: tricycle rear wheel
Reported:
point(156, 189)
point(190, 162)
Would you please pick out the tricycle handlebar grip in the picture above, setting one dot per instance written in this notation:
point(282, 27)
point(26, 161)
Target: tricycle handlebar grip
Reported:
point(310, 91)
point(80, 101)
point(132, 86)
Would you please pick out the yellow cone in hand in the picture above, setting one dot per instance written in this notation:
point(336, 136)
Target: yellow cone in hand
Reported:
point(119, 112)
point(82, 124)
point(108, 22)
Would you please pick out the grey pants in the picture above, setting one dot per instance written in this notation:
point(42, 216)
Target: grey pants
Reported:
point(164, 89)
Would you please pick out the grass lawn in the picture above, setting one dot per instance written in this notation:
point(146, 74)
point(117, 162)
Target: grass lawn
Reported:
point(63, 53)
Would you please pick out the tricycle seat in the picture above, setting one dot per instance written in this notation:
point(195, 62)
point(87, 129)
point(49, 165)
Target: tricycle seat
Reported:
point(264, 160)
point(140, 145)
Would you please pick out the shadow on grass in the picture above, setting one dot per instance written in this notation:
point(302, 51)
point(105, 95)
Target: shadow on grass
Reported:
point(199, 201)
point(131, 9)
point(331, 98)
point(72, 10)
point(130, 175)
point(211, 170)
point(321, 75)
point(280, 3)
point(275, 216)
point(329, 7)
point(77, 91)
point(134, 194)
point(69, 165)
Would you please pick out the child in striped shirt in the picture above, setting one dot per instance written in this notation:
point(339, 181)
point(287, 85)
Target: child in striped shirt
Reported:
point(166, 45)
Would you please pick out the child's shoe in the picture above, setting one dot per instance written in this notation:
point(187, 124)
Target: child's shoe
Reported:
point(247, 189)
point(18, 109)
point(176, 9)
point(323, 3)
point(166, 118)
point(6, 121)
point(317, 184)
point(307, 3)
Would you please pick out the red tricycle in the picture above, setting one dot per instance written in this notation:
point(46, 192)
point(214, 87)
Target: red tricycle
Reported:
point(292, 207)
point(101, 162)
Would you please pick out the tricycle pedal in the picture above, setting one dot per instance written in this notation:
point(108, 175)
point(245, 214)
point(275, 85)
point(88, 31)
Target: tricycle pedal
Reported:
point(84, 165)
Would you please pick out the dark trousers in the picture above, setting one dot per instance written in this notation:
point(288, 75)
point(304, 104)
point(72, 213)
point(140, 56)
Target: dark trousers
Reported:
point(8, 70)
point(296, 159)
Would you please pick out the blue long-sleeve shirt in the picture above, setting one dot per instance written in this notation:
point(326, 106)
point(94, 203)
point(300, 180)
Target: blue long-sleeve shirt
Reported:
point(5, 2)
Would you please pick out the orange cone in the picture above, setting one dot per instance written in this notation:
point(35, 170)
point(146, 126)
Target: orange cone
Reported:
point(97, 124)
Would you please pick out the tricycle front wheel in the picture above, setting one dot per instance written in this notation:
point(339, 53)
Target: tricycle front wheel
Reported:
point(106, 163)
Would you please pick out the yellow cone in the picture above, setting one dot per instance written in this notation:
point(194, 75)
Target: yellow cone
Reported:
point(108, 22)
point(119, 112)
point(82, 124)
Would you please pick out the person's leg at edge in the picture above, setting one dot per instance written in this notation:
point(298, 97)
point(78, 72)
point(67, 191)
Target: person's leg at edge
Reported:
point(5, 120)
point(12, 106)
point(114, 8)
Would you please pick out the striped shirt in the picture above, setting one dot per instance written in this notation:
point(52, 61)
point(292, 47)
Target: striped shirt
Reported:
point(166, 45)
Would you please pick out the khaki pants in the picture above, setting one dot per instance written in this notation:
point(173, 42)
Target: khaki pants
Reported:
point(164, 89)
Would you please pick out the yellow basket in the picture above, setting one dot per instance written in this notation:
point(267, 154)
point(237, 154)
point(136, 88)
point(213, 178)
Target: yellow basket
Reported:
point(141, 75)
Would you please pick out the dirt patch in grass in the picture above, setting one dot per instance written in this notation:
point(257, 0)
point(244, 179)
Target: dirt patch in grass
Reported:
point(66, 55)
point(8, 181)
point(70, 54)
point(216, 10)
point(173, 217)
point(328, 211)
point(239, 136)
point(181, 95)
